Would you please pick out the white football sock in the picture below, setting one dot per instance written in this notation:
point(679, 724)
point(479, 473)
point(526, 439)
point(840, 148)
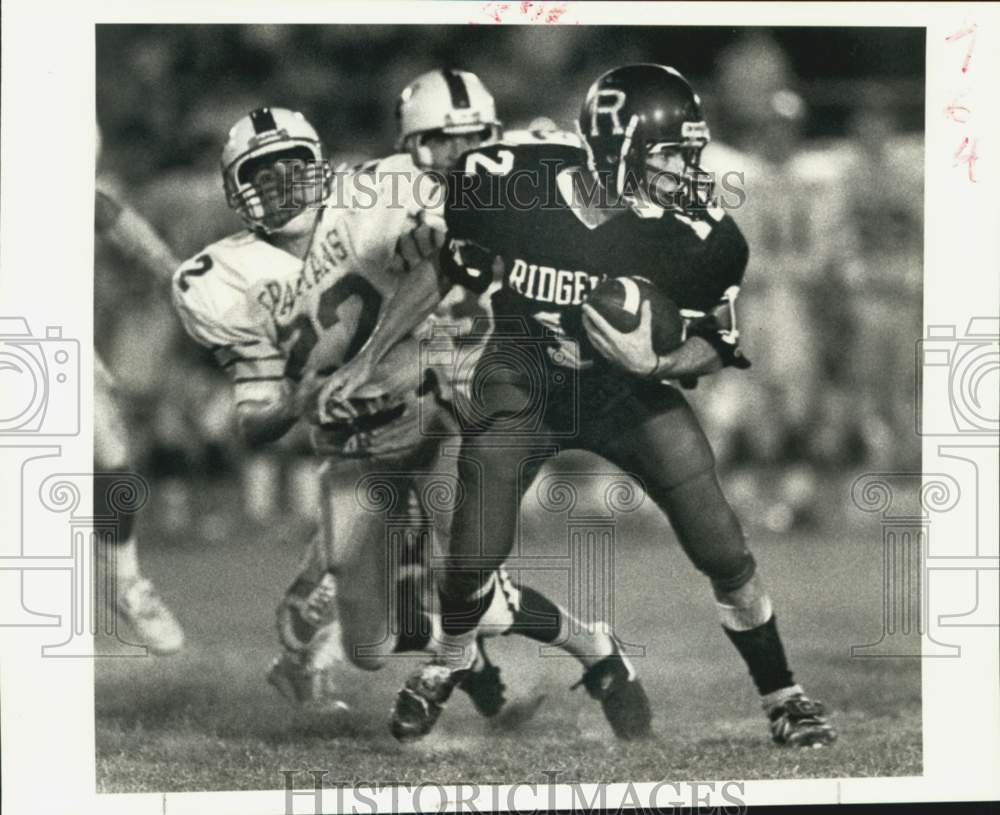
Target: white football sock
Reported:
point(588, 642)
point(457, 651)
point(121, 560)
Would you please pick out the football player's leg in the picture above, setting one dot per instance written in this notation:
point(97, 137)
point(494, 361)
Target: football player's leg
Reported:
point(309, 634)
point(502, 449)
point(358, 496)
point(417, 620)
point(669, 453)
point(342, 591)
point(609, 676)
point(513, 609)
point(494, 469)
point(136, 600)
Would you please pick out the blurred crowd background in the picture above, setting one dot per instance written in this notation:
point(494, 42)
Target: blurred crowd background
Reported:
point(824, 124)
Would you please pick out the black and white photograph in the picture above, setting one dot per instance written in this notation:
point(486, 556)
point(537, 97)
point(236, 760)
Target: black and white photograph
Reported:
point(512, 406)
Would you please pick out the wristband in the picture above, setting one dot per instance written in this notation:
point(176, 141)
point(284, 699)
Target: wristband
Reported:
point(724, 342)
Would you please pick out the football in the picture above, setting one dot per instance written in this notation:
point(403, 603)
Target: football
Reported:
point(618, 300)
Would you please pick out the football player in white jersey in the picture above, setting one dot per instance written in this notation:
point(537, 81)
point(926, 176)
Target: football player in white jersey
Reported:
point(135, 597)
point(296, 295)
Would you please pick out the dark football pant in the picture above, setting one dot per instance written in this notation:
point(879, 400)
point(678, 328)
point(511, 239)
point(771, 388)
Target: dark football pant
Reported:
point(650, 433)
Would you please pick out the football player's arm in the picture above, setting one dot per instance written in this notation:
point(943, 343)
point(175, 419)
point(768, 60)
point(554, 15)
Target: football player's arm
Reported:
point(633, 351)
point(431, 260)
point(721, 268)
point(265, 418)
point(417, 295)
point(711, 338)
point(267, 402)
point(133, 236)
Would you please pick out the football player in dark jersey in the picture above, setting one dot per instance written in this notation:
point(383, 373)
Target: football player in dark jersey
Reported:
point(548, 223)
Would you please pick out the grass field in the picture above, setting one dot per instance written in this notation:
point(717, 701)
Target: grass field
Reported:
point(206, 720)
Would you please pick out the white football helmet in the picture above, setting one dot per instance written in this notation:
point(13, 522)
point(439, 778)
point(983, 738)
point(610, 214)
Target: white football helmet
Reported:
point(444, 101)
point(262, 136)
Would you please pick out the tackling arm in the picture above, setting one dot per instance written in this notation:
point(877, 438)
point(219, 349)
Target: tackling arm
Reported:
point(422, 286)
point(263, 421)
point(415, 299)
point(216, 310)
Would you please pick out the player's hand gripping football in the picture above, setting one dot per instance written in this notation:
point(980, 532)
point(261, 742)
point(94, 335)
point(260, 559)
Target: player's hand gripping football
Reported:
point(632, 351)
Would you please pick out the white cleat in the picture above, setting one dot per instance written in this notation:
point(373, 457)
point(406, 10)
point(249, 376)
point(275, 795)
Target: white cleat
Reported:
point(148, 616)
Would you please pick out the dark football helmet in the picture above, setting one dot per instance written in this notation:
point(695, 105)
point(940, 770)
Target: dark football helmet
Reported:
point(633, 112)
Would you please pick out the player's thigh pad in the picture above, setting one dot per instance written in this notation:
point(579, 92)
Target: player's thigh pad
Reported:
point(671, 457)
point(509, 390)
point(655, 436)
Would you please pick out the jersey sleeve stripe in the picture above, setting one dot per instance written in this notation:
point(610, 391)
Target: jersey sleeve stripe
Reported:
point(242, 380)
point(244, 344)
point(235, 360)
point(254, 370)
point(267, 391)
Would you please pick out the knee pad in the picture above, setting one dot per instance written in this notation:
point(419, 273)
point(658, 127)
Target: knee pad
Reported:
point(736, 575)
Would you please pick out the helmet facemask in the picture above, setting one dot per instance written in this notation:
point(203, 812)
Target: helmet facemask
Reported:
point(643, 130)
point(636, 171)
point(270, 188)
point(667, 174)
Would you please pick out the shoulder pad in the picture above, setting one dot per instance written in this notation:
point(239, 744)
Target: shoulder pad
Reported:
point(212, 299)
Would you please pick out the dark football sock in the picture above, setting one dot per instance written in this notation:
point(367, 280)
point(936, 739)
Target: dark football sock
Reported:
point(463, 605)
point(764, 655)
point(536, 617)
point(415, 628)
point(414, 638)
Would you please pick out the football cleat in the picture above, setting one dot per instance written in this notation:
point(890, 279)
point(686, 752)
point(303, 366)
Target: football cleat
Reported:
point(422, 698)
point(304, 610)
point(302, 685)
point(483, 684)
point(614, 683)
point(150, 619)
point(800, 722)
